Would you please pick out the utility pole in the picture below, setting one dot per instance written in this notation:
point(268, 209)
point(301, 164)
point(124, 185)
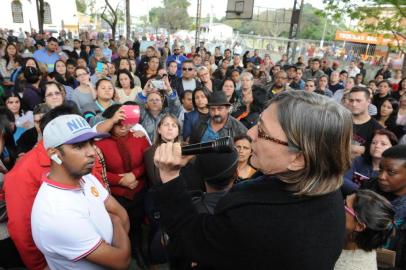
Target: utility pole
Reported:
point(198, 17)
point(324, 32)
point(294, 29)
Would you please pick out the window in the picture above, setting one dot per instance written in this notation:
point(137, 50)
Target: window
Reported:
point(47, 13)
point(17, 12)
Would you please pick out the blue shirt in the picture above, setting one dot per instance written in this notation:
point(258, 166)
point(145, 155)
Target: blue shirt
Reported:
point(209, 134)
point(179, 59)
point(17, 133)
point(107, 53)
point(42, 56)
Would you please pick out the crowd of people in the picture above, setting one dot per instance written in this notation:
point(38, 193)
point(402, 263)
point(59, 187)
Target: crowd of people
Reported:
point(317, 179)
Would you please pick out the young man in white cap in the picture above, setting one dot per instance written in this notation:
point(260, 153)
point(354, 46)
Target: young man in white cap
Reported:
point(69, 220)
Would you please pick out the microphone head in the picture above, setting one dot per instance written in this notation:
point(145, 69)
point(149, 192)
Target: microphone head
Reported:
point(223, 145)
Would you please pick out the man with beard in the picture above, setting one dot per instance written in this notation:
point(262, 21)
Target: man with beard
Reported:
point(76, 48)
point(220, 123)
point(314, 72)
point(70, 220)
point(280, 84)
point(48, 55)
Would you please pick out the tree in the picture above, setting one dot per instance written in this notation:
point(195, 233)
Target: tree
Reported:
point(128, 19)
point(173, 15)
point(386, 17)
point(111, 16)
point(40, 14)
point(81, 6)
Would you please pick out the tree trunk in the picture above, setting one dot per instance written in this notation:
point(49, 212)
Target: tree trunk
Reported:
point(128, 19)
point(404, 66)
point(40, 14)
point(113, 30)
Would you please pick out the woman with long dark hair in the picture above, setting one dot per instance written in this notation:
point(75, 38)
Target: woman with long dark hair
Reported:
point(200, 112)
point(126, 88)
point(63, 75)
point(367, 166)
point(384, 92)
point(23, 119)
point(228, 87)
point(243, 145)
point(387, 116)
point(8, 63)
point(9, 150)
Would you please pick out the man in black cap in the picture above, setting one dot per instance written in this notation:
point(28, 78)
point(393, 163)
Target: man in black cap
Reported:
point(217, 179)
point(220, 123)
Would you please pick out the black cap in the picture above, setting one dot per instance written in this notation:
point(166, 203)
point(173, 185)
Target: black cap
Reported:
point(218, 98)
point(217, 168)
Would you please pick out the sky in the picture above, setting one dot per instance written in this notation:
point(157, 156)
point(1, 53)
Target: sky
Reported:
point(219, 6)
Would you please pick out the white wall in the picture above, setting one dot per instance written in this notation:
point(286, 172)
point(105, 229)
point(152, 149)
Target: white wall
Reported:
point(60, 10)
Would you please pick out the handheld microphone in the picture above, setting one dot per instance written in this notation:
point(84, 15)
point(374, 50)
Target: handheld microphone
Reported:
point(221, 145)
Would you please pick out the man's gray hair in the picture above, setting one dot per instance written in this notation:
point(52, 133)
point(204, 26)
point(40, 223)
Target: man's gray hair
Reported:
point(123, 47)
point(248, 75)
point(202, 68)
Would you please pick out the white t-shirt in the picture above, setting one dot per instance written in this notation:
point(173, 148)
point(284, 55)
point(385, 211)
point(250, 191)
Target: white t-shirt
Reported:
point(356, 260)
point(69, 223)
point(189, 84)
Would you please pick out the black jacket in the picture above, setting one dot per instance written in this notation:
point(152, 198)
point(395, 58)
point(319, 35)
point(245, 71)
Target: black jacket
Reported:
point(177, 85)
point(257, 225)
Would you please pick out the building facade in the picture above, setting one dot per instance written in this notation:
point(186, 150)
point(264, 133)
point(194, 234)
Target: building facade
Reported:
point(21, 15)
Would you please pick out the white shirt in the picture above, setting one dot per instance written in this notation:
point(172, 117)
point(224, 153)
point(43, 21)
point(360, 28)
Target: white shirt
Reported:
point(189, 84)
point(69, 223)
point(352, 72)
point(356, 260)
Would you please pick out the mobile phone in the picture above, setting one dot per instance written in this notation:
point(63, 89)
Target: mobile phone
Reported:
point(99, 67)
point(132, 114)
point(158, 84)
point(358, 178)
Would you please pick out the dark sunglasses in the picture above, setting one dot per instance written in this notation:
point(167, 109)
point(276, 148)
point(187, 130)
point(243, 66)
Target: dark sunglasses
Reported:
point(188, 69)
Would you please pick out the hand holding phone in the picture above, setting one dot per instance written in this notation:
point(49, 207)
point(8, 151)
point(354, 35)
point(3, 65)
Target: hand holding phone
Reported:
point(132, 114)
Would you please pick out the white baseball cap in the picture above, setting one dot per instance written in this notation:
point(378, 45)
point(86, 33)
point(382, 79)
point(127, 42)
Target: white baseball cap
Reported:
point(68, 129)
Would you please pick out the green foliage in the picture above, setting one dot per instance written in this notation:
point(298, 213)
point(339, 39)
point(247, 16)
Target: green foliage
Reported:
point(376, 16)
point(81, 6)
point(173, 15)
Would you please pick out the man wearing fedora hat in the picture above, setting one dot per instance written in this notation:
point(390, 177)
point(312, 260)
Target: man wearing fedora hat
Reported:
point(220, 123)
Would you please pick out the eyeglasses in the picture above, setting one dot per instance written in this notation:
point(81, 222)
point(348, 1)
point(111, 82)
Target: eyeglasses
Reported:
point(56, 94)
point(188, 69)
point(82, 74)
point(263, 135)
